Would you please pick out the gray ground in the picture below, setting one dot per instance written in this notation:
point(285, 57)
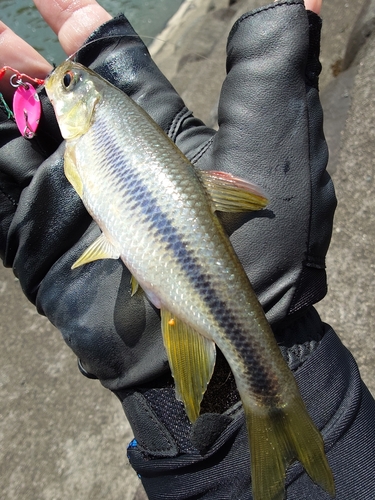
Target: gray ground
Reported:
point(63, 436)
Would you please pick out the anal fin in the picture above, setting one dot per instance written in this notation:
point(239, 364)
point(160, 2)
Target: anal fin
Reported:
point(191, 358)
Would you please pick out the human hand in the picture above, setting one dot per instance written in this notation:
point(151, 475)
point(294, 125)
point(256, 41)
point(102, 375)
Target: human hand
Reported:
point(72, 22)
point(270, 133)
point(313, 5)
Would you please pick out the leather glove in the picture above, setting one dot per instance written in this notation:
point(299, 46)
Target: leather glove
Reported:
point(270, 132)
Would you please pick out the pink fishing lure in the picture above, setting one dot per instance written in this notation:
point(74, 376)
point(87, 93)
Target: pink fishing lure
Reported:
point(27, 110)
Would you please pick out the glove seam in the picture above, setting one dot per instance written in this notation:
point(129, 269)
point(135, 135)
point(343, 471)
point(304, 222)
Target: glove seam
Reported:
point(255, 12)
point(9, 197)
point(176, 122)
point(202, 150)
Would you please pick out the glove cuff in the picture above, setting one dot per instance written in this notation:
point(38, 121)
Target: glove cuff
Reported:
point(164, 452)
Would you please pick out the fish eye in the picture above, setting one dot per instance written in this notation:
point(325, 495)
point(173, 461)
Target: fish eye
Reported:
point(69, 80)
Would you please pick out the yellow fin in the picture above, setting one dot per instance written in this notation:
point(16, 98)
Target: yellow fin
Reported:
point(70, 170)
point(101, 248)
point(278, 438)
point(232, 194)
point(134, 285)
point(191, 359)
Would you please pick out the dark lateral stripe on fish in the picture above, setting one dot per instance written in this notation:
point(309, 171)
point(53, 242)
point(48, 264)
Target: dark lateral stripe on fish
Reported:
point(138, 191)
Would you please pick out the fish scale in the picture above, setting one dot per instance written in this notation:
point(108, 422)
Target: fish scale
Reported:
point(172, 243)
point(157, 213)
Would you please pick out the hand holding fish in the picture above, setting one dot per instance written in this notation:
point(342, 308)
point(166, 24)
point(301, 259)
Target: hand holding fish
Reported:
point(270, 133)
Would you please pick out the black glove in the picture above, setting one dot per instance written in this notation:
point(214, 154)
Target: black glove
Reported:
point(270, 132)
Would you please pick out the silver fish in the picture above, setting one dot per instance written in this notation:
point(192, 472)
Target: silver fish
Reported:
point(157, 213)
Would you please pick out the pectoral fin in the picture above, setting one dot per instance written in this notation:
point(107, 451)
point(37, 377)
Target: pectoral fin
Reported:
point(70, 170)
point(191, 358)
point(232, 194)
point(101, 248)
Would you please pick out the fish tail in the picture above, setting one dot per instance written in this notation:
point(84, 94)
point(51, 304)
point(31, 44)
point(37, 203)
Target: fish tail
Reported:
point(278, 437)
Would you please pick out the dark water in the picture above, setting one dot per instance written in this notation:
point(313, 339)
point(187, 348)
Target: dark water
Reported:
point(148, 17)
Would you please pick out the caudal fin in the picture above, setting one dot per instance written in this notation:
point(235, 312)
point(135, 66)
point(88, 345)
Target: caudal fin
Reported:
point(278, 438)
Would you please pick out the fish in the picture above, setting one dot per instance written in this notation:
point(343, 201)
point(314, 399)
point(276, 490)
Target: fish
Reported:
point(158, 214)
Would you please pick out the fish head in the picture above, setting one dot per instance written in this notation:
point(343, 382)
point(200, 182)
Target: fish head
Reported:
point(74, 95)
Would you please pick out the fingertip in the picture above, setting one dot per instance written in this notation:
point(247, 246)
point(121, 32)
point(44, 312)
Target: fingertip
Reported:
point(72, 20)
point(80, 25)
point(18, 54)
point(313, 5)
